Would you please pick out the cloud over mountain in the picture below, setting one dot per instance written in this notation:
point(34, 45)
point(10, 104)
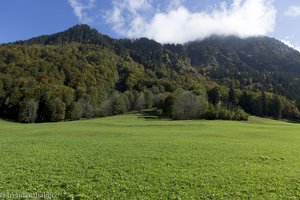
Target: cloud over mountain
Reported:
point(172, 21)
point(177, 24)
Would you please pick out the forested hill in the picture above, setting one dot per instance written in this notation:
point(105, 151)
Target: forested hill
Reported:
point(80, 73)
point(256, 63)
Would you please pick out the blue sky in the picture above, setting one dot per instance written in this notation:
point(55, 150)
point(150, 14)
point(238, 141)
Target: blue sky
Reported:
point(175, 21)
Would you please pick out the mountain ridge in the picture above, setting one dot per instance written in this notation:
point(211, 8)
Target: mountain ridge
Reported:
point(81, 33)
point(258, 74)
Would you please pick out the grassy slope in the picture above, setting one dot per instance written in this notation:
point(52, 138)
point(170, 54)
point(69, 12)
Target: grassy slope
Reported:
point(129, 156)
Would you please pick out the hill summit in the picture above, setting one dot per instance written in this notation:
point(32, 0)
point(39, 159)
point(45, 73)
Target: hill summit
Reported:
point(79, 33)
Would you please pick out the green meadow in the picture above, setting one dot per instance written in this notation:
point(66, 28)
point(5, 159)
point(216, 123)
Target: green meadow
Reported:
point(135, 157)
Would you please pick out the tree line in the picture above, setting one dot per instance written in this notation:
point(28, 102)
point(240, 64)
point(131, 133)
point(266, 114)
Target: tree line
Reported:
point(217, 103)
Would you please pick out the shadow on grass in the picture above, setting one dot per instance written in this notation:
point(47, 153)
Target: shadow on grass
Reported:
point(9, 120)
point(152, 114)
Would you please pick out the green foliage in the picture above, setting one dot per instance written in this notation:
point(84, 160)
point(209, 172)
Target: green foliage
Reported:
point(290, 111)
point(56, 110)
point(87, 107)
point(140, 102)
point(211, 113)
point(28, 111)
point(240, 115)
point(222, 112)
point(233, 97)
point(148, 99)
point(106, 108)
point(188, 106)
point(129, 100)
point(1, 89)
point(298, 103)
point(276, 107)
point(264, 104)
point(167, 104)
point(217, 94)
point(118, 104)
point(74, 111)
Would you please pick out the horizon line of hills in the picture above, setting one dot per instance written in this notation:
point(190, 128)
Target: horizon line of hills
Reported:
point(80, 73)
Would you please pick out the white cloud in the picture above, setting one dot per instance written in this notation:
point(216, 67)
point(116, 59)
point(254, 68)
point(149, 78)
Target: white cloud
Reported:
point(179, 25)
point(293, 11)
point(127, 13)
point(135, 5)
point(81, 8)
point(290, 44)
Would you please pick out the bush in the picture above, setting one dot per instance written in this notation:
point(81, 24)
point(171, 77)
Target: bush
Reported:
point(223, 113)
point(140, 102)
point(106, 108)
point(74, 111)
point(240, 115)
point(166, 105)
point(211, 113)
point(28, 111)
point(118, 104)
point(188, 106)
point(148, 99)
point(87, 108)
point(57, 110)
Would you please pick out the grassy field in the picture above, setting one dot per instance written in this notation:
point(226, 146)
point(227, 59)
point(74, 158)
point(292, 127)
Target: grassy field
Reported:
point(131, 157)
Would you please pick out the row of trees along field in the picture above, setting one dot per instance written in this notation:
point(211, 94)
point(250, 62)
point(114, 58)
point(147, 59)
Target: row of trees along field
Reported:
point(55, 78)
point(217, 103)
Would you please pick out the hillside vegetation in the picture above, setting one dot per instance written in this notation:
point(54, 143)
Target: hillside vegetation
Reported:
point(80, 73)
